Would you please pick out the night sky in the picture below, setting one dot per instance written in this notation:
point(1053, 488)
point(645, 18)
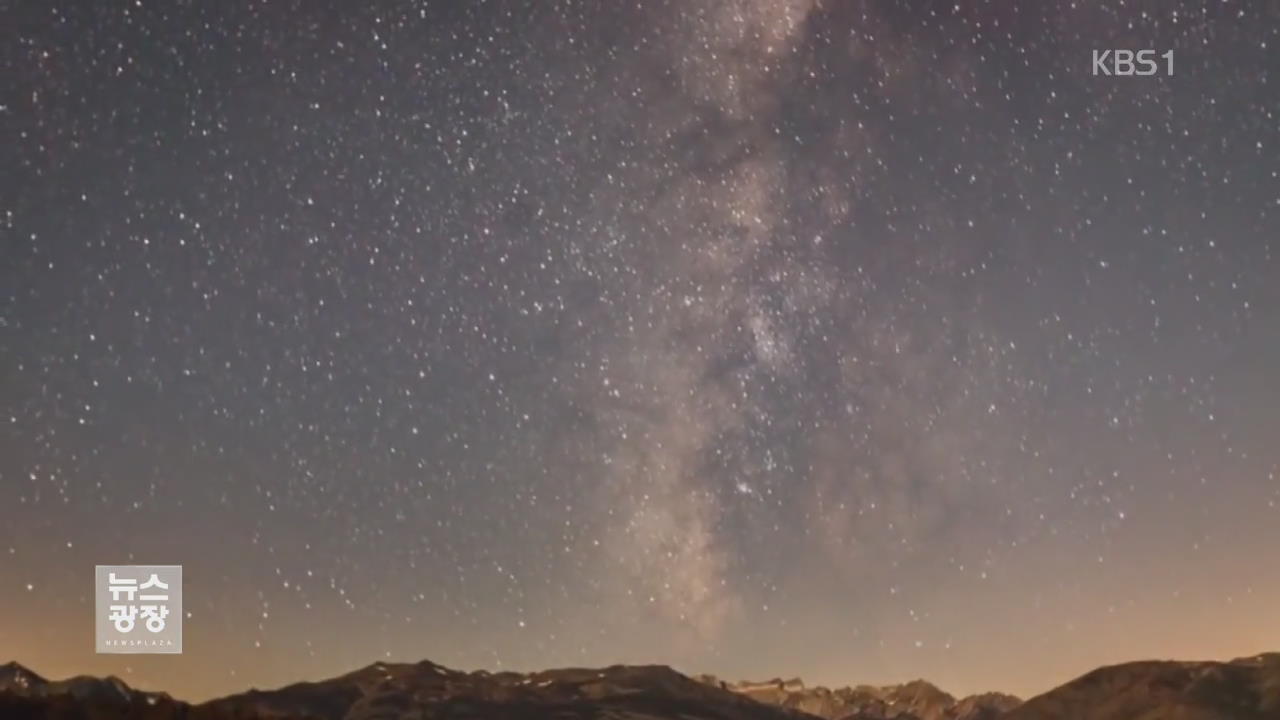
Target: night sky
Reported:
point(859, 341)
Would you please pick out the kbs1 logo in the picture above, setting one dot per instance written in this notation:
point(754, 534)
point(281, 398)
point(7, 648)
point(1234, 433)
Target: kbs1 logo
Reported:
point(1132, 62)
point(138, 608)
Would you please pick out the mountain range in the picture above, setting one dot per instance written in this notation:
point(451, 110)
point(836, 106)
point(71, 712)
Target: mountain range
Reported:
point(915, 700)
point(1243, 689)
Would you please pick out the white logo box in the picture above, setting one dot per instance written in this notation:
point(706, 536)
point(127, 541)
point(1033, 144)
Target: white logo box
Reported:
point(138, 609)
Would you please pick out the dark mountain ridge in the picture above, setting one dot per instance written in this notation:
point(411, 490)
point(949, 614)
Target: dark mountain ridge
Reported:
point(1243, 689)
point(423, 690)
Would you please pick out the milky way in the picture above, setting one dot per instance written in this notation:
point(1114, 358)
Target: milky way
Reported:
point(861, 341)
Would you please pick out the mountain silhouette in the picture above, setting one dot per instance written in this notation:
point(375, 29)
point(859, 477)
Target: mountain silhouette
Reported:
point(915, 700)
point(1244, 689)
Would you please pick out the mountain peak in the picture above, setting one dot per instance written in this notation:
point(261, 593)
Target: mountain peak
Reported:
point(1244, 689)
point(1259, 660)
point(914, 700)
point(16, 678)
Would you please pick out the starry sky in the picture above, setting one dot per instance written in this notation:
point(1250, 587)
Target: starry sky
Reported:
point(859, 341)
